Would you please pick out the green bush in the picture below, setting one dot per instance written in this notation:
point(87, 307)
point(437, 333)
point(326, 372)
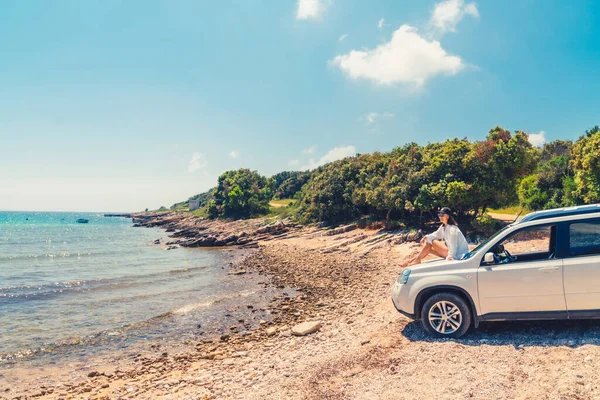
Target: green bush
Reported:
point(328, 195)
point(586, 164)
point(286, 184)
point(485, 224)
point(241, 194)
point(531, 196)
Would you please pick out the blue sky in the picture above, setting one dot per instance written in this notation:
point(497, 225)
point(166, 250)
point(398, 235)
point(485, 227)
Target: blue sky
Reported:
point(122, 105)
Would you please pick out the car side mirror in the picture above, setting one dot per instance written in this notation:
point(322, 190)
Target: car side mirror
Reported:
point(488, 258)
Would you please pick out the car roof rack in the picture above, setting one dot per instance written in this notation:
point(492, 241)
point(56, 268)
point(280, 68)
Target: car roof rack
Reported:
point(561, 212)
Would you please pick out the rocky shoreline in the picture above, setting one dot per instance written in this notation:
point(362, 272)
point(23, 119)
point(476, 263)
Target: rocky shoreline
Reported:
point(190, 231)
point(358, 347)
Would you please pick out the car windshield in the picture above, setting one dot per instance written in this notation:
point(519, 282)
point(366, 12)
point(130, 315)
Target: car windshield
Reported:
point(482, 244)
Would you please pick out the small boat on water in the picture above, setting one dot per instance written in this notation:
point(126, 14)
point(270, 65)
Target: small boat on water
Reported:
point(82, 221)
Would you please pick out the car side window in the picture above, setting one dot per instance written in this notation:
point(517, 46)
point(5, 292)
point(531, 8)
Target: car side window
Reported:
point(584, 238)
point(529, 244)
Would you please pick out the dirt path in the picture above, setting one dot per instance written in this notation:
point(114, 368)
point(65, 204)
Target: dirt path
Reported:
point(504, 217)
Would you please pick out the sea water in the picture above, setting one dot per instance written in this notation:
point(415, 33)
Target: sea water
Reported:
point(97, 285)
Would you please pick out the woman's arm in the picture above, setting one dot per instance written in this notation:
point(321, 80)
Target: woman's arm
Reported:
point(437, 235)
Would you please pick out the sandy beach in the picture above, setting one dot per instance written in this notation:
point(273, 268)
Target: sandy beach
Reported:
point(364, 348)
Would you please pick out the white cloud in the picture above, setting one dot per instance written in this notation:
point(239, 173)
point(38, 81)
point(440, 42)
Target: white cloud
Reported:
point(234, 154)
point(471, 9)
point(294, 163)
point(380, 23)
point(334, 154)
point(407, 58)
point(372, 117)
point(310, 150)
point(344, 36)
point(537, 139)
point(197, 162)
point(309, 9)
point(447, 14)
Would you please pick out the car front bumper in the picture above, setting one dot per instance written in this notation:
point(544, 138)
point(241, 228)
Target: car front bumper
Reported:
point(400, 300)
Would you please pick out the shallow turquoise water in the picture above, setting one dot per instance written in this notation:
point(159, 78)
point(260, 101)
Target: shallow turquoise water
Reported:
point(65, 284)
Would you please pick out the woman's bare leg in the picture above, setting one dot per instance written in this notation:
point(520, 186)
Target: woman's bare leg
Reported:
point(416, 259)
point(437, 247)
point(411, 260)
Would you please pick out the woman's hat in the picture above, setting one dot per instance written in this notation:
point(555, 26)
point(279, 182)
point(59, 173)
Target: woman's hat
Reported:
point(445, 210)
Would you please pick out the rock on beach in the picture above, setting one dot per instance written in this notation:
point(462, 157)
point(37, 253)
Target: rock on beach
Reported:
point(306, 328)
point(271, 331)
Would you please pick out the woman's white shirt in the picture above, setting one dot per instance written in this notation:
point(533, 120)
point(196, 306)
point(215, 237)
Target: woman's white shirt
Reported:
point(455, 240)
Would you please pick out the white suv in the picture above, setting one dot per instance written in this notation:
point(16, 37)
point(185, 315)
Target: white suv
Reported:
point(544, 266)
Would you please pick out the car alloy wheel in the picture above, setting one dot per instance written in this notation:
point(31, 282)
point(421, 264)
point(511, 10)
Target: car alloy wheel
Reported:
point(445, 317)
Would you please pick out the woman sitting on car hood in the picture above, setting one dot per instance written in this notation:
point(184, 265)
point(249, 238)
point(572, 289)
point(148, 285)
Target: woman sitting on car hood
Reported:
point(456, 245)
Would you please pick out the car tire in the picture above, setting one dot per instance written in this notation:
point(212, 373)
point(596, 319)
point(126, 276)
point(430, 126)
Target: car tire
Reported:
point(446, 315)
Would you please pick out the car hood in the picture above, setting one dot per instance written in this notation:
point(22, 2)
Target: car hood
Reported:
point(437, 266)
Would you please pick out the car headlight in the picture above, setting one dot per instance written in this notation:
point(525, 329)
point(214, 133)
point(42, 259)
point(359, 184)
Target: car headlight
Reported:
point(403, 278)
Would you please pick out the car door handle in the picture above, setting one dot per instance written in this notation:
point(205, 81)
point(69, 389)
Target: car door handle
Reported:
point(548, 269)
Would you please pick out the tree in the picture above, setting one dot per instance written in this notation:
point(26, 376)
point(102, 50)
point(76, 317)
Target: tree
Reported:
point(545, 188)
point(530, 194)
point(445, 176)
point(497, 164)
point(586, 166)
point(286, 184)
point(592, 131)
point(241, 194)
point(555, 149)
point(328, 196)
